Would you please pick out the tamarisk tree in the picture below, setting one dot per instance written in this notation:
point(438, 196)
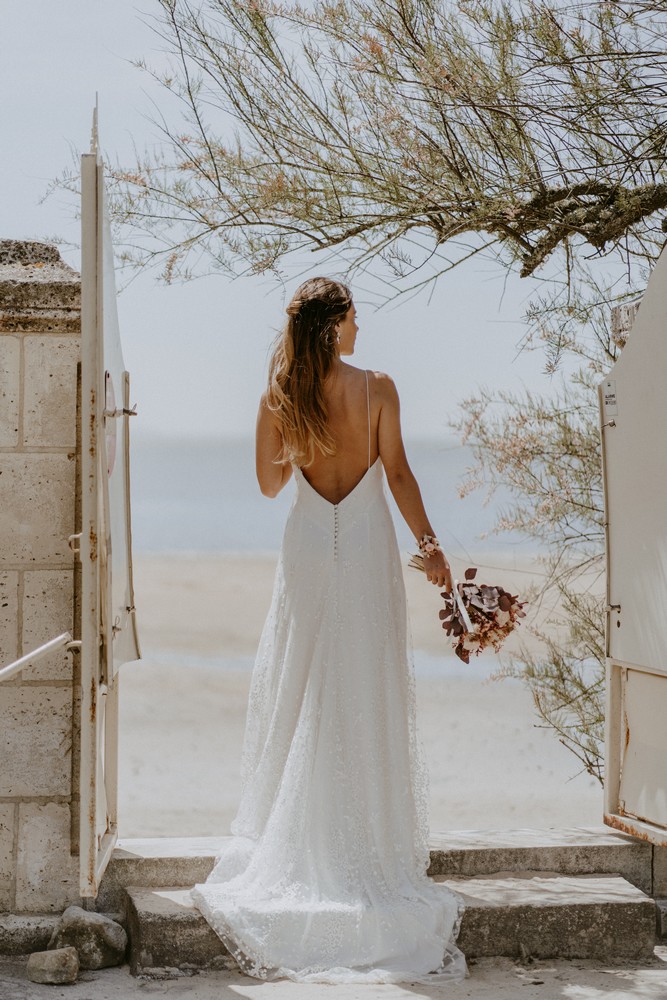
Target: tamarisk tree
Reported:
point(402, 131)
point(546, 451)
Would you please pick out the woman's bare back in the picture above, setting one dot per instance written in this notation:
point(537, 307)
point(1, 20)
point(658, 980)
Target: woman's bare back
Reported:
point(353, 421)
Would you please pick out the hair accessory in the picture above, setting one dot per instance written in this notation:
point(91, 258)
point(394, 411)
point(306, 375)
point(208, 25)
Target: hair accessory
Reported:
point(428, 544)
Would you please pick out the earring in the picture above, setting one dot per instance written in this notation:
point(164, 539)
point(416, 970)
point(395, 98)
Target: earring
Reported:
point(337, 337)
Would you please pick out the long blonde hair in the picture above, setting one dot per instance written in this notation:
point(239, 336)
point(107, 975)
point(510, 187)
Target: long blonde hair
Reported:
point(303, 355)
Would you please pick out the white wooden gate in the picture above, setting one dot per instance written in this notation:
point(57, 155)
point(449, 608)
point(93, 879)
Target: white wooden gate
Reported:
point(108, 629)
point(633, 406)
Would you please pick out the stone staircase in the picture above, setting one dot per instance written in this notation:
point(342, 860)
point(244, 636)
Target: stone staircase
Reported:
point(573, 893)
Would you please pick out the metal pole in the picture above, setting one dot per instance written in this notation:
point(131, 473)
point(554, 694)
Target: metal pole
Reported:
point(49, 647)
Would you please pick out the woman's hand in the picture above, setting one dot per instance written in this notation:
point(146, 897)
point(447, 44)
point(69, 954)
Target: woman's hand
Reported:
point(438, 571)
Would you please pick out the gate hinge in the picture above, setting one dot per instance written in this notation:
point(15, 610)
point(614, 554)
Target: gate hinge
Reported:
point(124, 412)
point(73, 542)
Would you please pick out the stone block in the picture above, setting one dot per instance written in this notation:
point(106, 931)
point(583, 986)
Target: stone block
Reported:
point(48, 610)
point(10, 375)
point(21, 934)
point(7, 857)
point(36, 508)
point(57, 968)
point(530, 913)
point(661, 914)
point(100, 941)
point(166, 931)
point(47, 876)
point(35, 741)
point(9, 608)
point(49, 395)
point(660, 871)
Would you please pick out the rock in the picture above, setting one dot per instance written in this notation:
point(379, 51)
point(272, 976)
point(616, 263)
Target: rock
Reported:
point(56, 967)
point(99, 940)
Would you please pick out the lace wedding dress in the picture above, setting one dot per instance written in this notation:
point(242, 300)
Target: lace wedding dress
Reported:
point(323, 878)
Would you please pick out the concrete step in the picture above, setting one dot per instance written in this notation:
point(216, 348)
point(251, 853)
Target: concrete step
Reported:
point(508, 914)
point(167, 932)
point(594, 850)
point(601, 917)
point(184, 861)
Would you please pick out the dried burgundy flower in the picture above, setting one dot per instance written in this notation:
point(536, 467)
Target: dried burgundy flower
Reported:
point(491, 611)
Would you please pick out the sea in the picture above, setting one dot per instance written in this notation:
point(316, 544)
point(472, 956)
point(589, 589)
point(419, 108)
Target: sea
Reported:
point(202, 496)
point(191, 496)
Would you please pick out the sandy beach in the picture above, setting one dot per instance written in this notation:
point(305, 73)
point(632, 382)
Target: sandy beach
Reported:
point(490, 979)
point(492, 765)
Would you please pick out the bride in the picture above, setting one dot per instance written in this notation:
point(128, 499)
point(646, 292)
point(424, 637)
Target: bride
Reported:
point(324, 876)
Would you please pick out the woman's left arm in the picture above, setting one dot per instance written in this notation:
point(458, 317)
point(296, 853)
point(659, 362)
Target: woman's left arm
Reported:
point(271, 475)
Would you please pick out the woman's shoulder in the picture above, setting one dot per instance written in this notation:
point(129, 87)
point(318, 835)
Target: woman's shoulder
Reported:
point(379, 378)
point(384, 384)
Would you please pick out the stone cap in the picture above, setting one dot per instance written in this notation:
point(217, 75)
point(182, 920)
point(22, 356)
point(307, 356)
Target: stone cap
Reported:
point(28, 252)
point(39, 292)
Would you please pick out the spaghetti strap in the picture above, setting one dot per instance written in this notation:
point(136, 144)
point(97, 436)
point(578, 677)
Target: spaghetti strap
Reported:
point(368, 407)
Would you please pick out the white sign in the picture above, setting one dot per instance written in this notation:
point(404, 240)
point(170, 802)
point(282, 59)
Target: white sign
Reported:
point(609, 398)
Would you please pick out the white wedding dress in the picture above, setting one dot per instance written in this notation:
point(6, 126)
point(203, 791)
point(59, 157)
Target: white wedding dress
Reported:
point(323, 878)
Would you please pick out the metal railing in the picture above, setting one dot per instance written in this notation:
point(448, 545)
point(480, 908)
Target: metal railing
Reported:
point(49, 647)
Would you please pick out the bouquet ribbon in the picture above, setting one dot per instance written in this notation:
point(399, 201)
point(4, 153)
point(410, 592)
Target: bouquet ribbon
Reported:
point(462, 608)
point(476, 615)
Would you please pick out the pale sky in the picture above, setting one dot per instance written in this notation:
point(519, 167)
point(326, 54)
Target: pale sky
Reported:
point(197, 352)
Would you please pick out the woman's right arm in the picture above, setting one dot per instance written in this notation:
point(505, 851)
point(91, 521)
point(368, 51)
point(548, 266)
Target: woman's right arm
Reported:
point(271, 475)
point(402, 483)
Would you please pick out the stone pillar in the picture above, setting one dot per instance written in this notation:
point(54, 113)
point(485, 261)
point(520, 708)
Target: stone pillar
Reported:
point(40, 328)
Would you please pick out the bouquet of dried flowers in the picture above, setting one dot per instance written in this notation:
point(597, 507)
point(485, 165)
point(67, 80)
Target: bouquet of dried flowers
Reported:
point(477, 615)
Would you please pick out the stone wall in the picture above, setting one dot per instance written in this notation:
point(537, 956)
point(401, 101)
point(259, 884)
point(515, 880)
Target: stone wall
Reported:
point(39, 351)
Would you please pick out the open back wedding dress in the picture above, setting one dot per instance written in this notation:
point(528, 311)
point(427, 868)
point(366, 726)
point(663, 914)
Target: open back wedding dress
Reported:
point(323, 878)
